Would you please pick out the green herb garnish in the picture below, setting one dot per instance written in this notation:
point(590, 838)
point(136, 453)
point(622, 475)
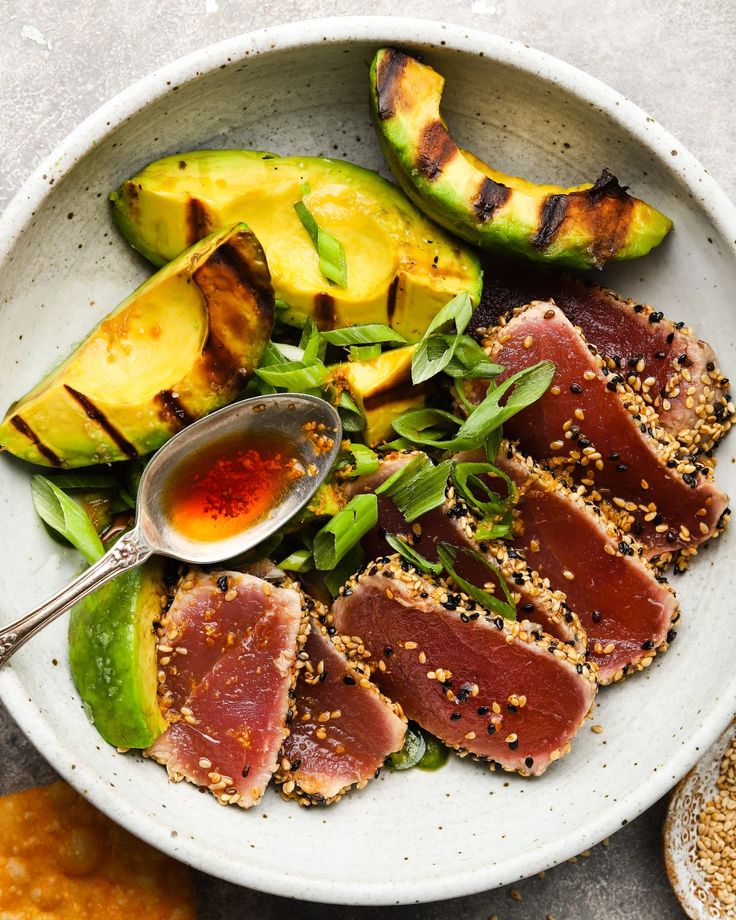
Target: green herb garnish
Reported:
point(433, 427)
point(330, 251)
point(417, 487)
point(435, 349)
point(344, 531)
point(404, 549)
point(447, 554)
point(64, 515)
point(362, 334)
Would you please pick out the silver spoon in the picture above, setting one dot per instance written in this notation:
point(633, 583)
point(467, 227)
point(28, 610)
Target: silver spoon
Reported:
point(285, 416)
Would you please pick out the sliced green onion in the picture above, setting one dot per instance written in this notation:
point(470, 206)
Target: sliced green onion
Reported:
point(433, 427)
point(298, 561)
point(447, 555)
point(417, 487)
point(430, 426)
point(495, 528)
point(364, 352)
point(526, 386)
point(410, 755)
point(470, 362)
point(352, 418)
point(84, 479)
point(348, 566)
point(469, 480)
point(330, 251)
point(360, 460)
point(362, 334)
point(311, 342)
point(411, 555)
point(295, 376)
point(286, 352)
point(344, 531)
point(435, 350)
point(64, 515)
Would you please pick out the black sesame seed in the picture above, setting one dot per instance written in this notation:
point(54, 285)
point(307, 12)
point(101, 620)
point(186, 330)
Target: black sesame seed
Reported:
point(527, 608)
point(671, 635)
point(710, 366)
point(575, 388)
point(222, 583)
point(349, 680)
point(454, 716)
point(512, 708)
point(514, 744)
point(388, 651)
point(647, 645)
point(670, 338)
point(596, 616)
point(483, 710)
point(621, 467)
point(246, 770)
point(660, 355)
point(528, 762)
point(491, 729)
point(614, 456)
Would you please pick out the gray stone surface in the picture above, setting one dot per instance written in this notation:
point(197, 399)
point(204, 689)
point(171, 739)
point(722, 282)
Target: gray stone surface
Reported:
point(61, 59)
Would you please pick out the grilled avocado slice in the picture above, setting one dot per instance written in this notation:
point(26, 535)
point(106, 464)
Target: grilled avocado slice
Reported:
point(582, 227)
point(176, 349)
point(401, 268)
point(112, 655)
point(382, 389)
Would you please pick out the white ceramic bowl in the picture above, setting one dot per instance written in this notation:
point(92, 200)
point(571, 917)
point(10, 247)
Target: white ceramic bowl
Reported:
point(303, 88)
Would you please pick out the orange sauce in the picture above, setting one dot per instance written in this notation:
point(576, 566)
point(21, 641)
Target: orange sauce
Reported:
point(230, 486)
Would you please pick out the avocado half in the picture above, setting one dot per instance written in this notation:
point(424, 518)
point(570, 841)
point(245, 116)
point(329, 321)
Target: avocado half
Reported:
point(582, 227)
point(112, 656)
point(401, 268)
point(178, 348)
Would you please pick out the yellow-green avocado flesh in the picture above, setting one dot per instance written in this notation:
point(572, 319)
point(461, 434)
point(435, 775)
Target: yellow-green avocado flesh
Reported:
point(581, 227)
point(176, 349)
point(401, 267)
point(112, 656)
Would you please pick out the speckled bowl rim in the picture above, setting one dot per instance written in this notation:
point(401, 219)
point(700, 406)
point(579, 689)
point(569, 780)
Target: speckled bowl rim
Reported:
point(381, 30)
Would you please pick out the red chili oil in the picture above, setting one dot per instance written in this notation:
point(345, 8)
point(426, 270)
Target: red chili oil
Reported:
point(230, 486)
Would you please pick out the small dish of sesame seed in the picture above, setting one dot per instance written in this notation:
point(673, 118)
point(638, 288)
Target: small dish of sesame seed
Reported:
point(700, 834)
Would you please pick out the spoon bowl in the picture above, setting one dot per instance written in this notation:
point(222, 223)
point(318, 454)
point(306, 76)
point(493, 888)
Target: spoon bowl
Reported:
point(291, 418)
point(308, 426)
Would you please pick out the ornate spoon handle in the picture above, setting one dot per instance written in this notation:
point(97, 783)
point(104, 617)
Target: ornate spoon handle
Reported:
point(130, 550)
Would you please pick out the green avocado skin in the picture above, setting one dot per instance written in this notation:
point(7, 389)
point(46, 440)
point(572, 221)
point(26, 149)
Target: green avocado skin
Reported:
point(112, 655)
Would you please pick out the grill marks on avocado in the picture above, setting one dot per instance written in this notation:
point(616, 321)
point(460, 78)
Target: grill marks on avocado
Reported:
point(199, 224)
point(173, 410)
point(491, 196)
point(390, 72)
point(21, 425)
point(436, 149)
point(583, 228)
point(107, 426)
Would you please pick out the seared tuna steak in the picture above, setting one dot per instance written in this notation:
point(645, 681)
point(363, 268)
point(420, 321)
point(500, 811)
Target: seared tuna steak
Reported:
point(343, 728)
point(501, 690)
point(596, 428)
point(453, 523)
point(673, 370)
point(228, 659)
point(626, 609)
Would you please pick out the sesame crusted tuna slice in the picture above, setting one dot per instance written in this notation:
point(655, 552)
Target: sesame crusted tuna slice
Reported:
point(499, 689)
point(343, 727)
point(453, 523)
point(674, 371)
point(228, 661)
point(601, 433)
point(626, 608)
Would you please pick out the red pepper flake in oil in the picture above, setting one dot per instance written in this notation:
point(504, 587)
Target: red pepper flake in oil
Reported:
point(230, 486)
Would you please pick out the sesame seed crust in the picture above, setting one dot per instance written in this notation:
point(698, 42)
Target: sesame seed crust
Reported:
point(677, 470)
point(355, 674)
point(530, 479)
point(414, 591)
